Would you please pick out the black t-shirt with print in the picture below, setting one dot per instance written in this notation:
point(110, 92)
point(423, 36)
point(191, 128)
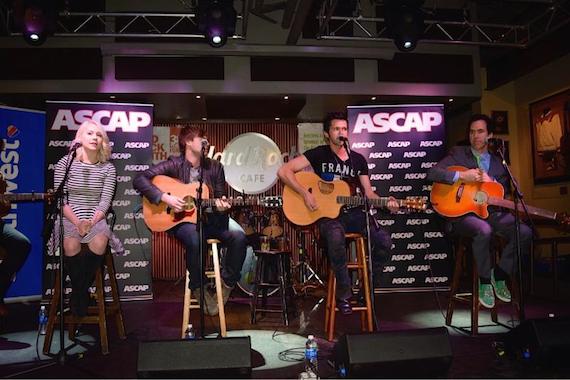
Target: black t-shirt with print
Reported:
point(329, 166)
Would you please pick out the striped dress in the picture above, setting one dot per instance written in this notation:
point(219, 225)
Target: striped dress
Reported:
point(90, 187)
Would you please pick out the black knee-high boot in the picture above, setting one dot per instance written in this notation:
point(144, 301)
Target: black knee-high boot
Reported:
point(74, 267)
point(92, 263)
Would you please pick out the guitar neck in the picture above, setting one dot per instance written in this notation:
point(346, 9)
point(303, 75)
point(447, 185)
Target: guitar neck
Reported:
point(535, 211)
point(250, 201)
point(24, 197)
point(359, 201)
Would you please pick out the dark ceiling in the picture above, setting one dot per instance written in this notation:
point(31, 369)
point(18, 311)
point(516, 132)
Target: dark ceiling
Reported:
point(503, 63)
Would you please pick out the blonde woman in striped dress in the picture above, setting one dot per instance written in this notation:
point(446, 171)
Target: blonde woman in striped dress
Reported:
point(87, 198)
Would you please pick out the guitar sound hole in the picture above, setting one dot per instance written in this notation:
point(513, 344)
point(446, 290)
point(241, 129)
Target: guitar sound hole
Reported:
point(311, 190)
point(480, 197)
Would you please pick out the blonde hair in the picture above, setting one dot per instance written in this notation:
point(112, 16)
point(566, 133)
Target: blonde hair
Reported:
point(104, 152)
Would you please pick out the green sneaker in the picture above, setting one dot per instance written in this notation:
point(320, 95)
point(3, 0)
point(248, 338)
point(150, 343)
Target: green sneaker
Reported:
point(500, 287)
point(486, 296)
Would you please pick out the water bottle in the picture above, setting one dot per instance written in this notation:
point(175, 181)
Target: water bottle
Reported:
point(311, 354)
point(189, 334)
point(42, 319)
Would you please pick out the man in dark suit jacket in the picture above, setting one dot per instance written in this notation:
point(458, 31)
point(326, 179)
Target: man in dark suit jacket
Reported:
point(484, 167)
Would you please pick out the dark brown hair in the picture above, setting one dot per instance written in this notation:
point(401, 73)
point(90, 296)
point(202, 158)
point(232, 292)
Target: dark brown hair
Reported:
point(329, 117)
point(188, 133)
point(485, 118)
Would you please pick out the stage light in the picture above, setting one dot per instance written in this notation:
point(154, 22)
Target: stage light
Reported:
point(405, 22)
point(217, 20)
point(34, 27)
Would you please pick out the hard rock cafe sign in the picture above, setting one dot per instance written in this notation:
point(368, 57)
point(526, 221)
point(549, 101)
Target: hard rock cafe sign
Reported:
point(251, 161)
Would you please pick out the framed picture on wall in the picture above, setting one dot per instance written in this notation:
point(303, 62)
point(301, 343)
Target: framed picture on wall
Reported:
point(550, 134)
point(501, 122)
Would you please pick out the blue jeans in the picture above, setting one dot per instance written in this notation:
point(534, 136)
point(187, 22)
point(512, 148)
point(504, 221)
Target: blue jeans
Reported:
point(482, 230)
point(332, 232)
point(18, 248)
point(235, 241)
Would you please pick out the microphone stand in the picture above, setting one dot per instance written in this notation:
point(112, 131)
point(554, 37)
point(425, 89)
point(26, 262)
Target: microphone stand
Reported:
point(200, 228)
point(366, 210)
point(62, 357)
point(517, 197)
point(59, 196)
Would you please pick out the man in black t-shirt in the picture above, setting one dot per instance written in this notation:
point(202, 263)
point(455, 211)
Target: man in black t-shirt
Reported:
point(333, 162)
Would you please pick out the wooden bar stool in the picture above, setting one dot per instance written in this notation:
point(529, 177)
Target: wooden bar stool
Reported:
point(361, 266)
point(95, 314)
point(261, 283)
point(462, 245)
point(193, 303)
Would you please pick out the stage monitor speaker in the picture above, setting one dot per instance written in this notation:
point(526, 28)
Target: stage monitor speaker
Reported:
point(541, 341)
point(200, 358)
point(411, 353)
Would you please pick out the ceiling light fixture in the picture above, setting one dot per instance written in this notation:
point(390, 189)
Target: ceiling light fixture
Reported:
point(217, 20)
point(405, 22)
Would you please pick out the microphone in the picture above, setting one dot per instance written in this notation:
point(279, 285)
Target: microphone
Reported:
point(344, 141)
point(205, 143)
point(494, 145)
point(75, 144)
point(495, 142)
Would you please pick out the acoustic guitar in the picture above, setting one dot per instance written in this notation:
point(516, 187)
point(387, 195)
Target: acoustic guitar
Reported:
point(463, 198)
point(6, 199)
point(331, 196)
point(162, 217)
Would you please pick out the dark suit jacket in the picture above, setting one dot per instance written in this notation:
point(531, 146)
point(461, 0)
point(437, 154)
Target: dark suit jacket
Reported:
point(463, 156)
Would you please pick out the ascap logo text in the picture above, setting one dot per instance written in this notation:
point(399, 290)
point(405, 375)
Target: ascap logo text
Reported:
point(421, 153)
point(135, 264)
point(399, 165)
point(415, 176)
point(400, 189)
point(431, 143)
point(381, 177)
point(403, 280)
point(383, 122)
point(380, 155)
point(110, 120)
point(367, 144)
point(402, 235)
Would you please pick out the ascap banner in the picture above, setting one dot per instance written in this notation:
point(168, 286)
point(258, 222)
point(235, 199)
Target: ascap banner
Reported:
point(400, 143)
point(129, 127)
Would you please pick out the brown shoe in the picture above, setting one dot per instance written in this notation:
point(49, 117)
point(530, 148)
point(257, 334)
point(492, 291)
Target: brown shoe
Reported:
point(210, 304)
point(226, 291)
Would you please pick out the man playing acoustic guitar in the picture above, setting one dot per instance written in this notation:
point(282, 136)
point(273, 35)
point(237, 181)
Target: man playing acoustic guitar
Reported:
point(482, 166)
point(332, 162)
point(187, 168)
point(15, 247)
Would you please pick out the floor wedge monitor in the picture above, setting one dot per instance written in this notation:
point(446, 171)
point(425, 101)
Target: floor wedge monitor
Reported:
point(200, 358)
point(394, 354)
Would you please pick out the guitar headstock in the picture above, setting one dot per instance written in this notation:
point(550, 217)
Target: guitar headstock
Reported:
point(415, 203)
point(271, 201)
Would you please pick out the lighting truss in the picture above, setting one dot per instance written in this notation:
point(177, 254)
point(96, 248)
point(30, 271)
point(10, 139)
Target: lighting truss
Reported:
point(463, 32)
point(133, 25)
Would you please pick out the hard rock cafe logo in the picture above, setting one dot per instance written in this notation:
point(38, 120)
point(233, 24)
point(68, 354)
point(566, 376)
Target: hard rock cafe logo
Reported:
point(251, 161)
